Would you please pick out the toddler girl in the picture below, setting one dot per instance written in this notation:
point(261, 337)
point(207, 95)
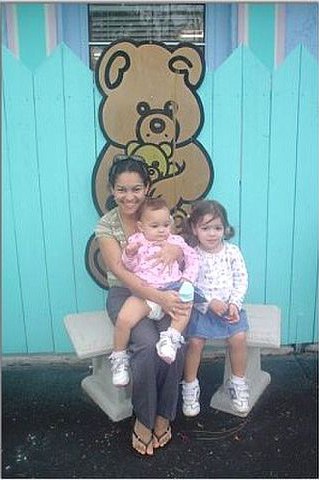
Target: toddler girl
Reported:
point(154, 226)
point(223, 279)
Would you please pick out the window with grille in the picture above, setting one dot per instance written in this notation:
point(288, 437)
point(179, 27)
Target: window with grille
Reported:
point(168, 23)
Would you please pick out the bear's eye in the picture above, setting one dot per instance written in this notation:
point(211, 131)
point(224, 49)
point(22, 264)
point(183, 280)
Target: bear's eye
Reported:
point(170, 108)
point(143, 108)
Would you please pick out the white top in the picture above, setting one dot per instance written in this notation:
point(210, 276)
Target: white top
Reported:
point(223, 275)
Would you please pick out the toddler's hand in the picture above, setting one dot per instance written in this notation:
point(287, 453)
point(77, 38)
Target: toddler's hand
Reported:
point(218, 307)
point(131, 249)
point(233, 313)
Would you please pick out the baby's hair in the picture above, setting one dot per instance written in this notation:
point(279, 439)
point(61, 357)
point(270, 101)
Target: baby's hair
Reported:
point(207, 207)
point(152, 204)
point(122, 164)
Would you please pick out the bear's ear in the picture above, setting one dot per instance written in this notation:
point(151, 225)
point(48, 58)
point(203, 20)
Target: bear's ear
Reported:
point(188, 62)
point(113, 64)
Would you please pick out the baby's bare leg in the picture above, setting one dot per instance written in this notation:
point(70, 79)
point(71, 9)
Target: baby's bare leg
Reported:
point(133, 310)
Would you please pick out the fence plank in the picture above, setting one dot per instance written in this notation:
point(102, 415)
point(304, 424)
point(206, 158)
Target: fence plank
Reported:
point(54, 183)
point(254, 172)
point(21, 134)
point(31, 33)
point(304, 270)
point(261, 36)
point(52, 213)
point(13, 331)
point(206, 92)
point(226, 152)
point(282, 172)
point(81, 155)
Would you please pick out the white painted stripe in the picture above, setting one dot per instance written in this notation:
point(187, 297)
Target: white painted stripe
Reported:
point(243, 23)
point(280, 31)
point(12, 28)
point(50, 27)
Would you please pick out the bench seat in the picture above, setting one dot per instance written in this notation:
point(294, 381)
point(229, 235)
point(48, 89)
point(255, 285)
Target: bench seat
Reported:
point(91, 334)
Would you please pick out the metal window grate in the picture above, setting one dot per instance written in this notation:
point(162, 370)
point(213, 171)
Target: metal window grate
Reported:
point(167, 23)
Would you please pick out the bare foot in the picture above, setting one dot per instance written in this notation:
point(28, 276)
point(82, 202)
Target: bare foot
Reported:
point(162, 432)
point(142, 439)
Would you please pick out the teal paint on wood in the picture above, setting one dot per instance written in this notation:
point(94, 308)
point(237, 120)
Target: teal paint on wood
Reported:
point(31, 34)
point(261, 31)
point(205, 93)
point(81, 154)
point(99, 136)
point(27, 207)
point(65, 148)
point(282, 177)
point(254, 172)
point(315, 323)
point(13, 331)
point(304, 270)
point(226, 130)
point(54, 184)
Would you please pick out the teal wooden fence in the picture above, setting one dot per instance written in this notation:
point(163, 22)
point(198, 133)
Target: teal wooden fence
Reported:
point(261, 131)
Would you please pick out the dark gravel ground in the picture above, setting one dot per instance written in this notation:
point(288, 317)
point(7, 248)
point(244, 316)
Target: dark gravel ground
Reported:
point(51, 429)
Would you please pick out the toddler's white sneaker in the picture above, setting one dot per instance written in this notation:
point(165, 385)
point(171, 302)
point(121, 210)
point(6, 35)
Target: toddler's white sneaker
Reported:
point(168, 344)
point(190, 396)
point(238, 394)
point(119, 368)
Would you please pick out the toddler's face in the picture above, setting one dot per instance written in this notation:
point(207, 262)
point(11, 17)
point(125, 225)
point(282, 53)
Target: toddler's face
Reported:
point(210, 233)
point(155, 224)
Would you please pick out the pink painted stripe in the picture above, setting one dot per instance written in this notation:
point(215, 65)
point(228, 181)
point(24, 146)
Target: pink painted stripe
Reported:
point(280, 33)
point(50, 27)
point(12, 28)
point(242, 23)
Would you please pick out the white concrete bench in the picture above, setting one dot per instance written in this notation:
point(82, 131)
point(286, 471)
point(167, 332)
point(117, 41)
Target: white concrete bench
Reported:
point(91, 334)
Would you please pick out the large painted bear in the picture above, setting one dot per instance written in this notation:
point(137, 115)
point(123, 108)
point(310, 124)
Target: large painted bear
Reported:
point(150, 108)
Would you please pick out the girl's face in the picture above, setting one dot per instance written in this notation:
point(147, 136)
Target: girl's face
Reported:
point(210, 233)
point(129, 192)
point(155, 224)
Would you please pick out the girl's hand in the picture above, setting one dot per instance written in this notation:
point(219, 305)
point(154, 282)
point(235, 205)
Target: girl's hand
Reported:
point(167, 255)
point(218, 307)
point(233, 313)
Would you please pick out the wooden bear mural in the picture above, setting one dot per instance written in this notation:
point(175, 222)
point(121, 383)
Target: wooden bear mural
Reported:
point(150, 108)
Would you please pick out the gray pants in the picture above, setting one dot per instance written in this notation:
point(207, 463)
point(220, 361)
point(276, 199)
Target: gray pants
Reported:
point(155, 383)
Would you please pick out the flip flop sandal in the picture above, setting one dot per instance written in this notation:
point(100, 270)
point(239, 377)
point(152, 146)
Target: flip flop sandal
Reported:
point(158, 438)
point(140, 440)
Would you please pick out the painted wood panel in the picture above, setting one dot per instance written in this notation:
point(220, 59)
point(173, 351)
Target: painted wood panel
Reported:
point(302, 313)
point(226, 133)
point(254, 172)
point(282, 178)
point(261, 31)
point(220, 33)
point(13, 328)
point(261, 131)
point(301, 26)
point(27, 203)
point(81, 123)
point(54, 184)
point(72, 28)
point(31, 28)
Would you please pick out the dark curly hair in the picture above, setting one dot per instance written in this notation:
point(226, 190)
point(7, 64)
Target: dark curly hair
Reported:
point(198, 211)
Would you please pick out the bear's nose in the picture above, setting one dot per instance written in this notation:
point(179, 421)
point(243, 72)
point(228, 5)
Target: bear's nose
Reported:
point(157, 125)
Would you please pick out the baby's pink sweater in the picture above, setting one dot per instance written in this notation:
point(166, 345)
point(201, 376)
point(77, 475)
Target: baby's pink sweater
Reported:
point(157, 276)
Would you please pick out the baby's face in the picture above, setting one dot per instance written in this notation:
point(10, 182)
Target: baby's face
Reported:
point(155, 224)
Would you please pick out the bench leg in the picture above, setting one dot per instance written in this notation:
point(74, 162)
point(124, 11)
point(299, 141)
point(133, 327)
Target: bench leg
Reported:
point(257, 378)
point(114, 401)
